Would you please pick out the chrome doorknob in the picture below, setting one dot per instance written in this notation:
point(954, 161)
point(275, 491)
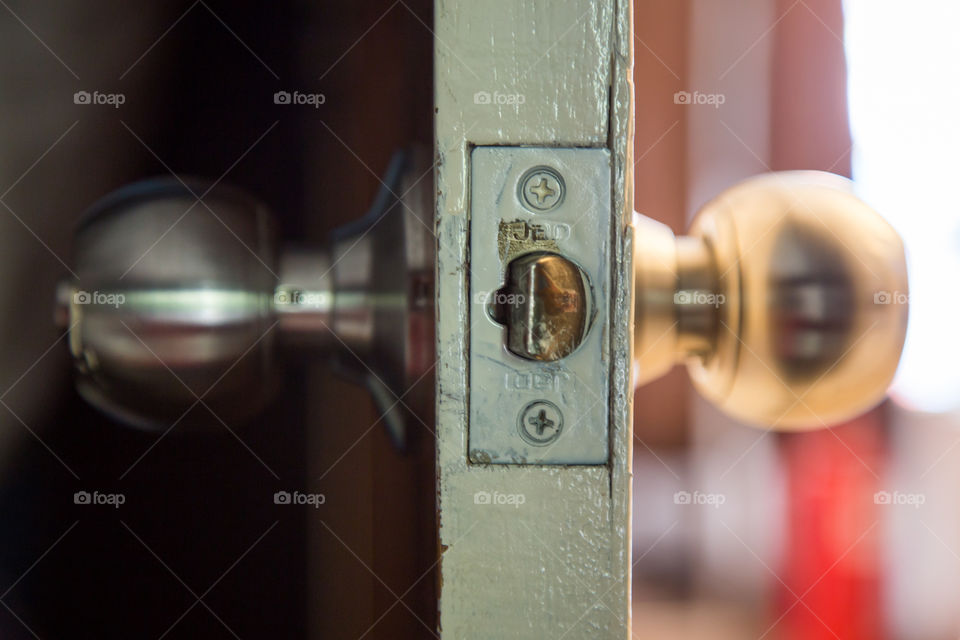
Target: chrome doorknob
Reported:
point(184, 300)
point(780, 301)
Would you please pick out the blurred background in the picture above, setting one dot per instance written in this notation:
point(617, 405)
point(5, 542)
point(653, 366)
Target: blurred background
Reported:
point(738, 533)
point(199, 549)
point(852, 532)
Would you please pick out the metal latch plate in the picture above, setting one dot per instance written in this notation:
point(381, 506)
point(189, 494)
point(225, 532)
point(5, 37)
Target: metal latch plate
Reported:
point(526, 200)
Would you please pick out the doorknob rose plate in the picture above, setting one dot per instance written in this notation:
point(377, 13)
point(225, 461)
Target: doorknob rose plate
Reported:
point(775, 301)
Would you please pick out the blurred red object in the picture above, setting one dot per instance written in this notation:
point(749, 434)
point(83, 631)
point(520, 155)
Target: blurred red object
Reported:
point(831, 577)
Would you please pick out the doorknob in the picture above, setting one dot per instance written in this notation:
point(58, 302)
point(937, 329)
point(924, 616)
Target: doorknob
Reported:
point(185, 298)
point(774, 301)
point(778, 301)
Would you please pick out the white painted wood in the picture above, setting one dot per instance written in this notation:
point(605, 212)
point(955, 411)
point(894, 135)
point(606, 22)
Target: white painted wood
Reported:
point(558, 565)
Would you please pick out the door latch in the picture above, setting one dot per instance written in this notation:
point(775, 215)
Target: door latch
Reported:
point(777, 302)
point(540, 247)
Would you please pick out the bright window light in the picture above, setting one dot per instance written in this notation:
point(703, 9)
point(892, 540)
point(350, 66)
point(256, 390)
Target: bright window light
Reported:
point(905, 116)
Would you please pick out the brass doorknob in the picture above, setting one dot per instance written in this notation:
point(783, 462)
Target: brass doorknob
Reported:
point(785, 301)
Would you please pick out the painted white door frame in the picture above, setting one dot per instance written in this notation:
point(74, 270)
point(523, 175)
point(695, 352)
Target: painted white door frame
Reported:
point(541, 73)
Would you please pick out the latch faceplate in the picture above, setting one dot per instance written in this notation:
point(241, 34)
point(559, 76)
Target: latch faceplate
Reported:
point(539, 368)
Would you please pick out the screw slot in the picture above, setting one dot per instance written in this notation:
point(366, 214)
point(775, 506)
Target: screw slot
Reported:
point(541, 189)
point(540, 423)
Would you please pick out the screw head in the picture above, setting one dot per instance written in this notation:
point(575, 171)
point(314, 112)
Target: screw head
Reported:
point(541, 189)
point(540, 423)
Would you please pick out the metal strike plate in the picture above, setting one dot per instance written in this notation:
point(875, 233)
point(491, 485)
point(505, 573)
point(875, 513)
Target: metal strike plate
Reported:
point(554, 201)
